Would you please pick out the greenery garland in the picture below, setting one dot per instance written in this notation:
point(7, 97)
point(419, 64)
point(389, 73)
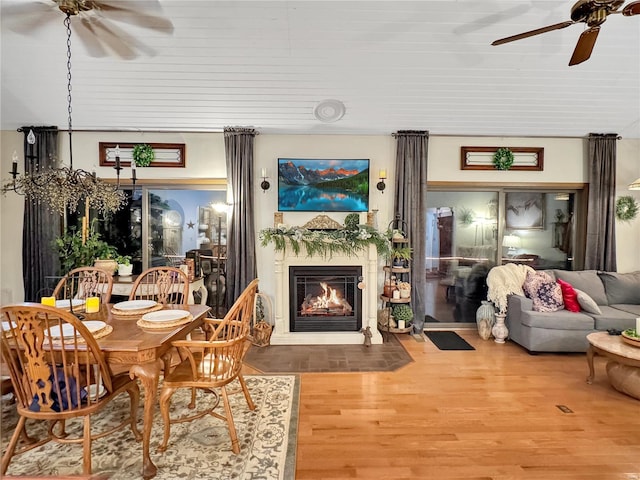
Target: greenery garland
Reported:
point(325, 243)
point(503, 159)
point(143, 154)
point(626, 208)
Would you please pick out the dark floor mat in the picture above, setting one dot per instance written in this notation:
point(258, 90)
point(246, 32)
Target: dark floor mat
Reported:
point(448, 341)
point(430, 319)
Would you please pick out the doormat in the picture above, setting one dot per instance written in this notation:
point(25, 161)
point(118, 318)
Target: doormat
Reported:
point(430, 319)
point(448, 341)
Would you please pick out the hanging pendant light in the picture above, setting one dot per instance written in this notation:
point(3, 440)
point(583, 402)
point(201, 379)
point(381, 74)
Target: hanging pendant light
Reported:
point(63, 188)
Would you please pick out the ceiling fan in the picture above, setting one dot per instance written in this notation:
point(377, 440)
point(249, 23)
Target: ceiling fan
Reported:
point(97, 32)
point(591, 12)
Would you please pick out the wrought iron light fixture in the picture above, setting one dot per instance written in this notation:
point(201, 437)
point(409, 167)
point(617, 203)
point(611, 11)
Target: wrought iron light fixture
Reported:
point(264, 185)
point(62, 188)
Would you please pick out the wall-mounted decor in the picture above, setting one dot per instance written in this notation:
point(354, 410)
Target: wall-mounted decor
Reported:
point(323, 185)
point(165, 154)
point(626, 208)
point(524, 210)
point(482, 158)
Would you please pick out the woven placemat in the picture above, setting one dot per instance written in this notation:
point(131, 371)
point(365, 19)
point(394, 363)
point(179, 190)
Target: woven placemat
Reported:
point(136, 313)
point(103, 332)
point(164, 325)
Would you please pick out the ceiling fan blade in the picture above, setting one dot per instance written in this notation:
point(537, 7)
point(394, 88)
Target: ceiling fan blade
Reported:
point(25, 17)
point(585, 45)
point(135, 16)
point(89, 38)
point(120, 41)
point(531, 33)
point(632, 9)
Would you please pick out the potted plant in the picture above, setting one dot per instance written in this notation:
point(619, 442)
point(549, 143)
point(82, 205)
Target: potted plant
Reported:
point(74, 253)
point(125, 268)
point(403, 315)
point(405, 289)
point(400, 256)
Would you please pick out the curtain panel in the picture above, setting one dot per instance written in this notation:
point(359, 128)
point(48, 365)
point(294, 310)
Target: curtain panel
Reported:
point(411, 204)
point(241, 243)
point(40, 226)
point(600, 246)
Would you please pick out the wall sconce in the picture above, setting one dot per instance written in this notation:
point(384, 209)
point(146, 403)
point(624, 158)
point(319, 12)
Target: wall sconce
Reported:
point(117, 166)
point(382, 176)
point(264, 185)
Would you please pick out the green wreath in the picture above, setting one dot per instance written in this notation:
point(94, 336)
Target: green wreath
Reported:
point(626, 208)
point(503, 159)
point(143, 154)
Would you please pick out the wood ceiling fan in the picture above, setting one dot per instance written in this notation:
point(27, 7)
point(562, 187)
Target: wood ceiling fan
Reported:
point(98, 33)
point(591, 12)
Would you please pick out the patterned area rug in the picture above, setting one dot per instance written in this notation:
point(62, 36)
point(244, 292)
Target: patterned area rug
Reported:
point(200, 449)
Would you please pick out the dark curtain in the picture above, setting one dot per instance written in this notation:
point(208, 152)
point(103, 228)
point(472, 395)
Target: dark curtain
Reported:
point(241, 244)
point(600, 247)
point(411, 205)
point(40, 226)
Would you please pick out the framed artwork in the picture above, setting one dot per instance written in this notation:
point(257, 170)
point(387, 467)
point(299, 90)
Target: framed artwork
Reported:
point(166, 154)
point(323, 185)
point(524, 210)
point(481, 158)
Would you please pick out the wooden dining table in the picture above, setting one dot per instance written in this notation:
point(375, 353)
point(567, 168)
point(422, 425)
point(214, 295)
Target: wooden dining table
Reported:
point(142, 352)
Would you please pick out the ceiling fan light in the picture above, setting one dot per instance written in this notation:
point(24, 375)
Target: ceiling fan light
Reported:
point(635, 185)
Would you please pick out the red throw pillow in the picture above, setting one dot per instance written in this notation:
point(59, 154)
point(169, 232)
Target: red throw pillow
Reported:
point(569, 296)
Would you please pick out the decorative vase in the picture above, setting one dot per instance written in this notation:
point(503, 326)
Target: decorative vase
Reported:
point(485, 318)
point(404, 293)
point(500, 330)
point(108, 265)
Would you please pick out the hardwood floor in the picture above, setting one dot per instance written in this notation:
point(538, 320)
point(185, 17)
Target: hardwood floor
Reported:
point(486, 414)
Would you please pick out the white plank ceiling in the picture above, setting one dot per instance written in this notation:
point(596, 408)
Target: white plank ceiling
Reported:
point(267, 64)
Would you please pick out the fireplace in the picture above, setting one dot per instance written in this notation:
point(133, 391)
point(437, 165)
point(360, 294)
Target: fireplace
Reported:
point(325, 299)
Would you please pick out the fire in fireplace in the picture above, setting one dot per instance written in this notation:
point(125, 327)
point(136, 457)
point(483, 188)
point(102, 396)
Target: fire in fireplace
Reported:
point(325, 299)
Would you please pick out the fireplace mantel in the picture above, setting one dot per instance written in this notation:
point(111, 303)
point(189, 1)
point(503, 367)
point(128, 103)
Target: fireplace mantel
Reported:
point(367, 259)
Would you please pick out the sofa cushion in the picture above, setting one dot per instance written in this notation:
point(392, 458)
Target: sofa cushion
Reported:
point(633, 309)
point(614, 318)
point(587, 303)
point(621, 287)
point(560, 320)
point(569, 296)
point(586, 280)
point(544, 291)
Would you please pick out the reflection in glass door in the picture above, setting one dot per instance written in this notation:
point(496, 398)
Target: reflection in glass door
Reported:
point(469, 232)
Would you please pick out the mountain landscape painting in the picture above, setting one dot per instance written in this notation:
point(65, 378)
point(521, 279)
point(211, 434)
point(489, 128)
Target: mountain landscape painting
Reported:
point(318, 185)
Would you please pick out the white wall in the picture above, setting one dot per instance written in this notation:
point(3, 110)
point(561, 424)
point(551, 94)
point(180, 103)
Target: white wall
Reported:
point(565, 161)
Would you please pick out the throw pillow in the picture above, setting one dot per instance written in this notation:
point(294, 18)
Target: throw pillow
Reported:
point(587, 303)
point(545, 293)
point(569, 296)
point(621, 288)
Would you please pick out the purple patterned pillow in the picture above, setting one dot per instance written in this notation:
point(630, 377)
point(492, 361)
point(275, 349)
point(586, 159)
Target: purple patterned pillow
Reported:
point(544, 291)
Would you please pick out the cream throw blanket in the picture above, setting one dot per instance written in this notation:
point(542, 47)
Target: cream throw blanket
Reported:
point(504, 281)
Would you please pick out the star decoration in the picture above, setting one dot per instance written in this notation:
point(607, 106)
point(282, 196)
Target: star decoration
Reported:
point(190, 224)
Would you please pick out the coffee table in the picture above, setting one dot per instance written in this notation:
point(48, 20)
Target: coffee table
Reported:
point(623, 368)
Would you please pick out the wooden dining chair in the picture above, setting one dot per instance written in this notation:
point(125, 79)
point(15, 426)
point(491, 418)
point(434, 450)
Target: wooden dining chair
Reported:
point(210, 365)
point(165, 285)
point(58, 374)
point(84, 282)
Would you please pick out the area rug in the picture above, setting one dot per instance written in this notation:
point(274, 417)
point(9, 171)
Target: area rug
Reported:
point(386, 357)
point(200, 449)
point(448, 341)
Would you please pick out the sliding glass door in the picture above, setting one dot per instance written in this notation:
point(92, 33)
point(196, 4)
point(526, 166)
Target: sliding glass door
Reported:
point(470, 231)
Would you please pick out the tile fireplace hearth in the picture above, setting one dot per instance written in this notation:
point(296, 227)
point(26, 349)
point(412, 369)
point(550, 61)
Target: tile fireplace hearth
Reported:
point(328, 303)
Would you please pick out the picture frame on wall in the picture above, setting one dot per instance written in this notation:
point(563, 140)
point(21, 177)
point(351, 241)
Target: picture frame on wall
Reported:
point(524, 210)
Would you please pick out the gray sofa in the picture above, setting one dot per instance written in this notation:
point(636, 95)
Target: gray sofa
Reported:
point(616, 294)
